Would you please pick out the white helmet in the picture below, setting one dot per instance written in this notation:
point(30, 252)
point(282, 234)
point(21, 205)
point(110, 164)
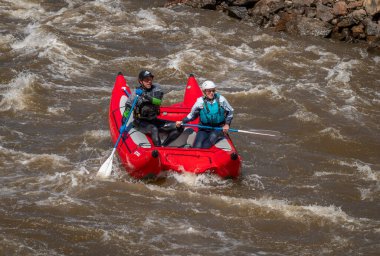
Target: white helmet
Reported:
point(208, 85)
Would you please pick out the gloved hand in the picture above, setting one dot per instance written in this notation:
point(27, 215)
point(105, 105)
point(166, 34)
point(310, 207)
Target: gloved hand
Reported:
point(139, 91)
point(146, 97)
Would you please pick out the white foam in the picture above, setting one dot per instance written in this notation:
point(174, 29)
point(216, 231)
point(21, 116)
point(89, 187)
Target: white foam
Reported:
point(58, 111)
point(61, 199)
point(53, 160)
point(105, 236)
point(366, 193)
point(305, 116)
point(368, 173)
point(349, 112)
point(111, 6)
point(199, 180)
point(61, 178)
point(59, 185)
point(272, 51)
point(364, 170)
point(253, 182)
point(25, 10)
point(324, 55)
point(301, 213)
point(179, 60)
point(180, 14)
point(341, 72)
point(65, 61)
point(324, 173)
point(148, 20)
point(97, 134)
point(363, 53)
point(243, 50)
point(14, 97)
point(241, 57)
point(204, 34)
point(253, 66)
point(265, 38)
point(6, 41)
point(35, 39)
point(332, 132)
point(260, 89)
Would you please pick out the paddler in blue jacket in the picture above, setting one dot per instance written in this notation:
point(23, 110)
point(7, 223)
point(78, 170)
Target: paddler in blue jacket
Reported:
point(148, 108)
point(213, 110)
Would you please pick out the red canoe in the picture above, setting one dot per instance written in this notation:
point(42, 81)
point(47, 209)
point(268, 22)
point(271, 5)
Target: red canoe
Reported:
point(142, 159)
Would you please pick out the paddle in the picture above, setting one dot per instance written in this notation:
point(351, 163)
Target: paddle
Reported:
point(106, 168)
point(230, 130)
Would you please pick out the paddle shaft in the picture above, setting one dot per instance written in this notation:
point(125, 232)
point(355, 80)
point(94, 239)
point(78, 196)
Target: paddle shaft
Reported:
point(126, 120)
point(106, 168)
point(230, 130)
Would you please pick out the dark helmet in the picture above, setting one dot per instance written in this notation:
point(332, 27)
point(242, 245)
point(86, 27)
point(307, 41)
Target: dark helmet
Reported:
point(145, 73)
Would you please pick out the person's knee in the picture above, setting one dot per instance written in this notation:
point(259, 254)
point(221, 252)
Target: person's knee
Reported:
point(212, 136)
point(206, 144)
point(215, 136)
point(155, 136)
point(201, 136)
point(197, 144)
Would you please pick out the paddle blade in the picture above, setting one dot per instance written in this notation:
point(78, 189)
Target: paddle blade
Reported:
point(106, 168)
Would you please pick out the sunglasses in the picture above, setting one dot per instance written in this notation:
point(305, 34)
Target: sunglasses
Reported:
point(210, 90)
point(147, 79)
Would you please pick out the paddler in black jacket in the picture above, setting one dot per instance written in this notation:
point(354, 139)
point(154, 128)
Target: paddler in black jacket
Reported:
point(148, 108)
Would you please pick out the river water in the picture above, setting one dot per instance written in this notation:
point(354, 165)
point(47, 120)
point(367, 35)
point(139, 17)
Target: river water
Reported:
point(312, 190)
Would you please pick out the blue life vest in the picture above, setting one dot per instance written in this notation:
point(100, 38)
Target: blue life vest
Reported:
point(212, 114)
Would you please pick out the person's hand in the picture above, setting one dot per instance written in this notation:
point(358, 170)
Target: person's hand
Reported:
point(139, 92)
point(226, 127)
point(146, 97)
point(178, 124)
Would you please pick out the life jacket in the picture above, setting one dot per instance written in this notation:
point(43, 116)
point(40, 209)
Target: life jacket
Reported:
point(147, 110)
point(212, 114)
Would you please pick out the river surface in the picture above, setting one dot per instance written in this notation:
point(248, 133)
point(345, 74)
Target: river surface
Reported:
point(312, 190)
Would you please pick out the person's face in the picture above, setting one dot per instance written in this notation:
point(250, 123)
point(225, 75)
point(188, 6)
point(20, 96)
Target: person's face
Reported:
point(210, 93)
point(147, 82)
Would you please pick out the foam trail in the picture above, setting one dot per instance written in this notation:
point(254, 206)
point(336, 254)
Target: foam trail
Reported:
point(200, 180)
point(66, 61)
point(28, 159)
point(302, 213)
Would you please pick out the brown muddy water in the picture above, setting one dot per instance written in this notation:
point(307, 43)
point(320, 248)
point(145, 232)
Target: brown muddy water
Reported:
point(314, 190)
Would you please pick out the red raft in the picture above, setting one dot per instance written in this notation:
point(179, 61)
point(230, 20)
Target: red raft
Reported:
point(142, 159)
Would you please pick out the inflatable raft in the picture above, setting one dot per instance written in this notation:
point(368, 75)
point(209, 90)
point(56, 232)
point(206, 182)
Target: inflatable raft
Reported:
point(141, 159)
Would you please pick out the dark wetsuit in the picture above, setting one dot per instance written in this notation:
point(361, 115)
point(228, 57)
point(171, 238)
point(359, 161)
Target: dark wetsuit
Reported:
point(145, 115)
